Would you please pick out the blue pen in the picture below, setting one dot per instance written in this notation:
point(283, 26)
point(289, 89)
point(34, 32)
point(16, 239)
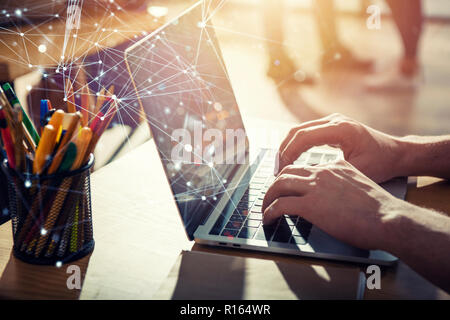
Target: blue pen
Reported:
point(43, 110)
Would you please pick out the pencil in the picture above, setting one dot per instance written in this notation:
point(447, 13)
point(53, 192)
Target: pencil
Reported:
point(12, 98)
point(71, 107)
point(7, 140)
point(100, 99)
point(85, 105)
point(18, 145)
point(63, 190)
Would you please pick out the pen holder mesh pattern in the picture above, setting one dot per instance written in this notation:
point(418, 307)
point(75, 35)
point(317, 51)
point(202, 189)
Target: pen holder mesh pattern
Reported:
point(51, 215)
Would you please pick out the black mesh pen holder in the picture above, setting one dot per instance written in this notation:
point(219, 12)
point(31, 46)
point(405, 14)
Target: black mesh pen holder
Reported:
point(51, 215)
point(4, 210)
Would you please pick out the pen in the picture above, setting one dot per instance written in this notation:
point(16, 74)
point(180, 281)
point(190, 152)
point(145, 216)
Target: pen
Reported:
point(44, 149)
point(73, 120)
point(69, 157)
point(71, 108)
point(82, 143)
point(85, 105)
point(96, 123)
point(56, 121)
point(7, 141)
point(99, 102)
point(18, 145)
point(45, 107)
point(47, 118)
point(12, 98)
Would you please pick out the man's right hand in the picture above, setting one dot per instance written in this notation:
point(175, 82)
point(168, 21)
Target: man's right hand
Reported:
point(378, 155)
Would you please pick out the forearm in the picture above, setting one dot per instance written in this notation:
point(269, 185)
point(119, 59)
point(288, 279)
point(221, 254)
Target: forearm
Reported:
point(420, 238)
point(425, 156)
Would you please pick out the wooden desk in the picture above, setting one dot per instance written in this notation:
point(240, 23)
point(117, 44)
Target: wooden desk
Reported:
point(139, 236)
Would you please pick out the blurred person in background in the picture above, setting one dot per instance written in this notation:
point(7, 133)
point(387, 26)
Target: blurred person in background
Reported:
point(336, 56)
point(408, 17)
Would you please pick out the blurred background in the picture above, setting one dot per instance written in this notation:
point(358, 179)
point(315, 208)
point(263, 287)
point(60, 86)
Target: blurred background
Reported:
point(385, 63)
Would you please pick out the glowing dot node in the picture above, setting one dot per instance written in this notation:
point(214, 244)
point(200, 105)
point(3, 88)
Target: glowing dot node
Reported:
point(42, 48)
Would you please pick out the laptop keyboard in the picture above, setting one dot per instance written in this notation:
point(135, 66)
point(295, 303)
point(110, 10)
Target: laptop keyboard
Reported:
point(246, 220)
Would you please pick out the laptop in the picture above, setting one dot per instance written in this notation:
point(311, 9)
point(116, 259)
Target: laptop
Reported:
point(217, 179)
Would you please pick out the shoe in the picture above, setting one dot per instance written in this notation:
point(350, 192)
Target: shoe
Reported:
point(343, 59)
point(282, 68)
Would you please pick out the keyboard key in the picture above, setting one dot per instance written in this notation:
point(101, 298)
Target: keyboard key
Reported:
point(258, 180)
point(237, 217)
point(265, 233)
point(234, 225)
point(282, 235)
point(329, 157)
point(230, 233)
point(243, 205)
point(291, 222)
point(298, 240)
point(252, 223)
point(283, 232)
point(256, 210)
point(303, 229)
point(247, 232)
point(314, 159)
point(258, 203)
point(255, 216)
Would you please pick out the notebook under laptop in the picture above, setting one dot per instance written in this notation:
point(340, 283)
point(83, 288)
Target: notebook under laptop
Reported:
point(185, 91)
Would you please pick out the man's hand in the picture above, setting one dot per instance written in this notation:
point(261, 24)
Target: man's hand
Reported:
point(376, 154)
point(337, 198)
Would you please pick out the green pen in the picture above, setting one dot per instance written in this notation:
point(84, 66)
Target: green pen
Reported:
point(12, 98)
point(69, 157)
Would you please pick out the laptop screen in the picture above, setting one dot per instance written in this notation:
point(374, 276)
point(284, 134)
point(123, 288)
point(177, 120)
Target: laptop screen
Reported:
point(183, 87)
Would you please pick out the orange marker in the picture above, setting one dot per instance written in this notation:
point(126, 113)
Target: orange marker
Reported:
point(82, 143)
point(56, 121)
point(44, 149)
